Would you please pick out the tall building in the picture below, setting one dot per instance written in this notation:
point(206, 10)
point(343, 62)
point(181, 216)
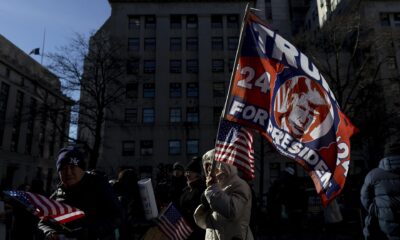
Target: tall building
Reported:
point(384, 19)
point(176, 89)
point(177, 83)
point(34, 118)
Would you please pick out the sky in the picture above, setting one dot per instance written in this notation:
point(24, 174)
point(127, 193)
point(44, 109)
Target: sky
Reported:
point(23, 22)
point(29, 23)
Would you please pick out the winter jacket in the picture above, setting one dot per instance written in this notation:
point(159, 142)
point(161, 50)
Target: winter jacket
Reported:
point(93, 195)
point(380, 196)
point(189, 201)
point(230, 207)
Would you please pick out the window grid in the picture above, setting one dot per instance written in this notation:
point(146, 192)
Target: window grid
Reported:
point(149, 90)
point(128, 148)
point(148, 115)
point(192, 90)
point(175, 90)
point(192, 146)
point(174, 147)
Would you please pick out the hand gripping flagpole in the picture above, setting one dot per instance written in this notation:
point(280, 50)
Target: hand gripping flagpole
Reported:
point(238, 50)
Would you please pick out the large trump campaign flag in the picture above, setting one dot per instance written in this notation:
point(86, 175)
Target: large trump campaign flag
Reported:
point(277, 90)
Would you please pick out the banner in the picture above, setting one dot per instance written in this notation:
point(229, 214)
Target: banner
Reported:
point(277, 90)
point(148, 199)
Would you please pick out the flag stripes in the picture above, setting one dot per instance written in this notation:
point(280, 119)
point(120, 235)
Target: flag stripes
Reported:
point(234, 146)
point(173, 225)
point(46, 208)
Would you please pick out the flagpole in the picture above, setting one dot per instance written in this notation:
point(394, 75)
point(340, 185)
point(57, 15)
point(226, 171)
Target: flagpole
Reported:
point(238, 50)
point(241, 35)
point(44, 38)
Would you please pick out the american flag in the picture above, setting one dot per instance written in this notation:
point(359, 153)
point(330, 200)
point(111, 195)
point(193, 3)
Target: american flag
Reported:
point(173, 225)
point(234, 145)
point(46, 208)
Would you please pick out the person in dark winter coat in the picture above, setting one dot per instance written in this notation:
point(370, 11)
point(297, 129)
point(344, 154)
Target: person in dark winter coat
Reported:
point(90, 193)
point(178, 183)
point(190, 198)
point(380, 196)
point(128, 194)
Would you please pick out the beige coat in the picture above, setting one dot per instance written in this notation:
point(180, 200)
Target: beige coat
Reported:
point(230, 202)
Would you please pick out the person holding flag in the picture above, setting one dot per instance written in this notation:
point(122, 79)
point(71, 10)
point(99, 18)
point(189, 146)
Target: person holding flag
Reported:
point(90, 193)
point(225, 209)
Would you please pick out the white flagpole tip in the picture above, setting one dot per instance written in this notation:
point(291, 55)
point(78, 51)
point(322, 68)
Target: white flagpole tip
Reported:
point(256, 9)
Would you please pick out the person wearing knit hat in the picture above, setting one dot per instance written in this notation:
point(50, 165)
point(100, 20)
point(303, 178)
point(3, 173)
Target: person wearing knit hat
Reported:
point(190, 197)
point(88, 191)
point(194, 165)
point(380, 196)
point(225, 207)
point(178, 182)
point(70, 165)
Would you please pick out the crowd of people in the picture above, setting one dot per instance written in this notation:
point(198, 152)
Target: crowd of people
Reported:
point(212, 198)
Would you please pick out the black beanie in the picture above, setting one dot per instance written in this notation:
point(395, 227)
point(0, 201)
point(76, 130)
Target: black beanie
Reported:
point(72, 156)
point(194, 165)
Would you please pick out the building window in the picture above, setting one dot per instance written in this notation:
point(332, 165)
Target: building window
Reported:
point(175, 115)
point(391, 63)
point(175, 66)
point(16, 125)
point(134, 22)
point(192, 66)
point(4, 92)
point(175, 90)
point(176, 22)
point(130, 115)
point(128, 148)
point(384, 19)
point(133, 44)
point(131, 90)
point(191, 22)
point(232, 43)
point(175, 44)
point(8, 73)
point(149, 90)
point(192, 146)
point(192, 90)
point(42, 128)
point(231, 63)
point(396, 19)
point(31, 125)
point(192, 114)
point(150, 22)
point(174, 147)
point(217, 43)
point(217, 65)
point(149, 66)
point(216, 21)
point(233, 21)
point(148, 115)
point(219, 89)
point(192, 44)
point(217, 111)
point(132, 66)
point(149, 44)
point(146, 147)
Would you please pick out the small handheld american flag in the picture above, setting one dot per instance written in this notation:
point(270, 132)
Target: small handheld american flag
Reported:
point(234, 146)
point(173, 225)
point(45, 208)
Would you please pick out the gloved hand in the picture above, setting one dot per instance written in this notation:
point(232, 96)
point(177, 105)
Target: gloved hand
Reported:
point(204, 201)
